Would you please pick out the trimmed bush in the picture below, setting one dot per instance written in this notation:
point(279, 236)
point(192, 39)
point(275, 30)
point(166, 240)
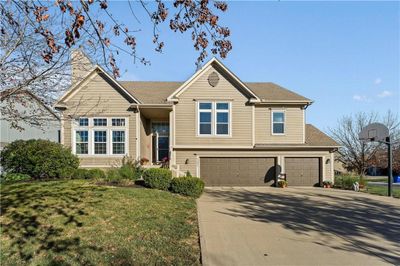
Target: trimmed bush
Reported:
point(129, 172)
point(113, 175)
point(14, 177)
point(159, 178)
point(81, 173)
point(37, 158)
point(346, 181)
point(188, 186)
point(67, 173)
point(131, 168)
point(97, 173)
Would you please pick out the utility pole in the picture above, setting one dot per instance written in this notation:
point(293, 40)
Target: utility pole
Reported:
point(390, 174)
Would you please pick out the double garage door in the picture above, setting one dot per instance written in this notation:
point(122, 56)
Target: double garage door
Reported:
point(256, 171)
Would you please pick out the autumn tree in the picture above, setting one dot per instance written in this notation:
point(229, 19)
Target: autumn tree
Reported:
point(354, 153)
point(36, 39)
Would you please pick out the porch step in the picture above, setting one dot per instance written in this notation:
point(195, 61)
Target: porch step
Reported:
point(151, 166)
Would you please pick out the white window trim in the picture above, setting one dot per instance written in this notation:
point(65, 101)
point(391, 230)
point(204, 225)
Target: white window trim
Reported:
point(229, 118)
point(107, 140)
point(109, 128)
point(118, 118)
point(214, 112)
point(198, 118)
point(118, 129)
point(284, 122)
point(83, 118)
point(88, 142)
point(107, 119)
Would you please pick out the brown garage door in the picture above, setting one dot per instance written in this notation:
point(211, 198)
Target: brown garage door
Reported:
point(302, 171)
point(237, 171)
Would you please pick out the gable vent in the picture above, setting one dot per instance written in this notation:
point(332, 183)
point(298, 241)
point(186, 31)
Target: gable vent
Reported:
point(213, 79)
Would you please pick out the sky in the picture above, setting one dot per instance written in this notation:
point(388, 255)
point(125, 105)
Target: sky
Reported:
point(342, 55)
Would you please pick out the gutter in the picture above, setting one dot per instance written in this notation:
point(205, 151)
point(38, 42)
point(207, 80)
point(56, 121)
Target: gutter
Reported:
point(160, 105)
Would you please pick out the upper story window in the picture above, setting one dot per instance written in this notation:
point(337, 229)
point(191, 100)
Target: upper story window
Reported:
point(222, 118)
point(205, 115)
point(214, 118)
point(278, 122)
point(100, 122)
point(100, 136)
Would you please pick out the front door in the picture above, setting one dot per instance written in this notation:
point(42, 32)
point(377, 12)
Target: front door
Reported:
point(160, 141)
point(162, 148)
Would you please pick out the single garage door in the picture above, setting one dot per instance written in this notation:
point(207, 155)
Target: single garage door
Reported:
point(237, 171)
point(303, 171)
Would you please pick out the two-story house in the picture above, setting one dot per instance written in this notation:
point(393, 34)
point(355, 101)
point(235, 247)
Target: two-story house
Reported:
point(217, 127)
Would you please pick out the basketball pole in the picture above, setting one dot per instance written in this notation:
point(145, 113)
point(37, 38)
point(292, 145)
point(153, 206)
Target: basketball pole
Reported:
point(390, 175)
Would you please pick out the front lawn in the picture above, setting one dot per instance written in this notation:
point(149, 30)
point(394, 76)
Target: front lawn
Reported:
point(382, 190)
point(75, 222)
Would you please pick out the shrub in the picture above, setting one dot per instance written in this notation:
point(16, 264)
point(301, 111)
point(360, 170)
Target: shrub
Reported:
point(14, 177)
point(81, 173)
point(114, 176)
point(97, 173)
point(126, 172)
point(188, 173)
point(345, 181)
point(159, 178)
point(67, 173)
point(131, 168)
point(37, 158)
point(188, 186)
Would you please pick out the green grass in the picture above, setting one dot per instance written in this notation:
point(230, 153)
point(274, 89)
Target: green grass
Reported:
point(382, 190)
point(383, 179)
point(74, 222)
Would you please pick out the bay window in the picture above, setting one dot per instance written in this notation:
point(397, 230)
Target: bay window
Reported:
point(100, 136)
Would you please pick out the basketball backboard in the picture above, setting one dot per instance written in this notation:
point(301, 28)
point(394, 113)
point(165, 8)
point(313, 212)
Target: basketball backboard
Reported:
point(374, 132)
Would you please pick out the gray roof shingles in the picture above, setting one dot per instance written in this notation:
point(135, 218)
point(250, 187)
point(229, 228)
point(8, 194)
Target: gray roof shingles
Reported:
point(314, 138)
point(156, 92)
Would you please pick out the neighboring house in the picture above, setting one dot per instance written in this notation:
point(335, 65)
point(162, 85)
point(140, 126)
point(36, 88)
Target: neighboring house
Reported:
point(215, 126)
point(31, 107)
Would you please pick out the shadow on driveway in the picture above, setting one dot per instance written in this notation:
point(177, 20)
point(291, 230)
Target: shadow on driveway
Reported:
point(368, 224)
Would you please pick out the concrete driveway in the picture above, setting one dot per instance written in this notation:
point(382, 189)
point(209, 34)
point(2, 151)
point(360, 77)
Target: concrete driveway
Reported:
point(298, 226)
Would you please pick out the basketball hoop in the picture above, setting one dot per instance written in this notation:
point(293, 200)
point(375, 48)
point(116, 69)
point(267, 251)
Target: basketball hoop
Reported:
point(377, 132)
point(374, 132)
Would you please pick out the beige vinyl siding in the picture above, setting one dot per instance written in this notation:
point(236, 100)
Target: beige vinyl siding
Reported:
point(294, 125)
point(145, 138)
point(97, 98)
point(67, 132)
point(186, 113)
point(187, 160)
